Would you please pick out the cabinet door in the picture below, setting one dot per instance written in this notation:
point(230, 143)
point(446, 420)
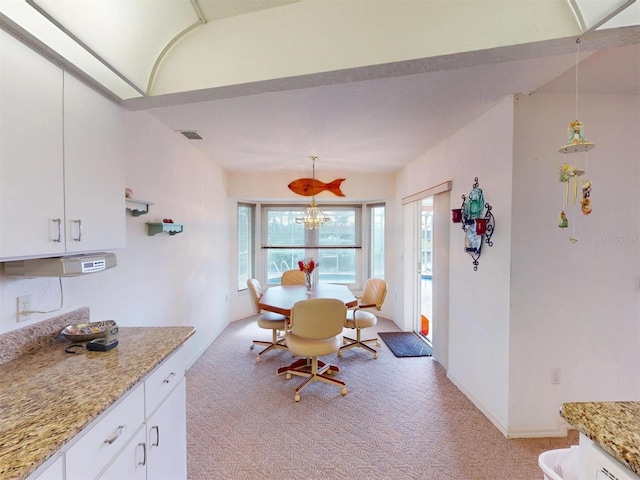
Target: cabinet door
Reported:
point(31, 174)
point(167, 438)
point(94, 169)
point(131, 463)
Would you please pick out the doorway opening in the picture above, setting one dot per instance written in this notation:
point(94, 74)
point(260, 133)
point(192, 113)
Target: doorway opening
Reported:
point(424, 327)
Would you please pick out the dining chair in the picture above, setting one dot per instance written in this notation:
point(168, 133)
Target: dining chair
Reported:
point(373, 295)
point(267, 320)
point(315, 328)
point(292, 277)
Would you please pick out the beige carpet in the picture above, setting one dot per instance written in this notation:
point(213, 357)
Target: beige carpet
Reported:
point(402, 419)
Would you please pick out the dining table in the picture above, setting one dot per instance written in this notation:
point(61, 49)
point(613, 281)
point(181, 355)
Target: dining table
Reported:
point(281, 299)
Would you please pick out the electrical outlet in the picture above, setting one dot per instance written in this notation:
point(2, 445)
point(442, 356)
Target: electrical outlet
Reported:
point(555, 376)
point(24, 308)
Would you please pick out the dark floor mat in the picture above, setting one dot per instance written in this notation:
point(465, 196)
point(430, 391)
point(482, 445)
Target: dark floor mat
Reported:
point(406, 344)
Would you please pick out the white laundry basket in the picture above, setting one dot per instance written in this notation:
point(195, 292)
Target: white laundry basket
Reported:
point(561, 464)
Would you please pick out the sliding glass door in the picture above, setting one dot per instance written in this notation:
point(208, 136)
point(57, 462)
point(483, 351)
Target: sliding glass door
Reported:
point(423, 325)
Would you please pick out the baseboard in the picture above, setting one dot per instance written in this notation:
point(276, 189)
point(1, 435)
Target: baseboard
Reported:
point(561, 430)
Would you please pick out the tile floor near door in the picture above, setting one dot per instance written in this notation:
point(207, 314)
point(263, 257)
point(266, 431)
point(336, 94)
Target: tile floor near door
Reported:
point(402, 419)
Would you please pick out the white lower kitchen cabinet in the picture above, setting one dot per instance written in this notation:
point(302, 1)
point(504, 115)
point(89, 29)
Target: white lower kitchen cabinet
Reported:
point(167, 437)
point(142, 436)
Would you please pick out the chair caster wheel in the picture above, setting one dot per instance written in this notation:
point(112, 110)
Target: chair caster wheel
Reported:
point(375, 355)
point(339, 353)
point(252, 347)
point(257, 359)
point(377, 344)
point(297, 398)
point(288, 376)
point(343, 391)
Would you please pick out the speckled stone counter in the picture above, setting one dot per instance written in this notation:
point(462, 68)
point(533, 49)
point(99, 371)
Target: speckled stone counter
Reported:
point(47, 396)
point(615, 426)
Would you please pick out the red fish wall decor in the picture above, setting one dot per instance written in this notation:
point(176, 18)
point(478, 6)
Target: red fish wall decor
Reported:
point(309, 187)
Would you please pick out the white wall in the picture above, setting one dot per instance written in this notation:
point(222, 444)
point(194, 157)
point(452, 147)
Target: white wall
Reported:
point(479, 300)
point(538, 301)
point(574, 306)
point(160, 280)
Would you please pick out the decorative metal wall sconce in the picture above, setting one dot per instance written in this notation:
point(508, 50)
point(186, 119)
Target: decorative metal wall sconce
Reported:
point(478, 222)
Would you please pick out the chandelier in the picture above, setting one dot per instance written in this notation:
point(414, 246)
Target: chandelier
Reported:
point(313, 217)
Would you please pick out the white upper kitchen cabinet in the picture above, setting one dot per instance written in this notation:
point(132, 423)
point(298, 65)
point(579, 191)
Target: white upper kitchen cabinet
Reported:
point(94, 165)
point(61, 160)
point(31, 162)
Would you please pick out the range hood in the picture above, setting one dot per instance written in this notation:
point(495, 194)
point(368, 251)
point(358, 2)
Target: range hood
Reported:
point(71, 266)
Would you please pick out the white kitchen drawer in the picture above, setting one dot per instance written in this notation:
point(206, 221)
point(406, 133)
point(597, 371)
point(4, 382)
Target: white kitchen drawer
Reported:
point(131, 463)
point(104, 440)
point(163, 380)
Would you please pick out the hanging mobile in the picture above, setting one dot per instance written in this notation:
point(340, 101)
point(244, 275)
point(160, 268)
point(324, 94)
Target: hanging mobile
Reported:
point(568, 174)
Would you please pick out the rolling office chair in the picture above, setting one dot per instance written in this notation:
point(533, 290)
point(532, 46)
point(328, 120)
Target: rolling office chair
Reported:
point(267, 320)
point(315, 328)
point(375, 290)
point(292, 277)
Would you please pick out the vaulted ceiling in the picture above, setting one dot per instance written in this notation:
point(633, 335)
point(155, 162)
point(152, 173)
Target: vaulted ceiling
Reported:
point(367, 85)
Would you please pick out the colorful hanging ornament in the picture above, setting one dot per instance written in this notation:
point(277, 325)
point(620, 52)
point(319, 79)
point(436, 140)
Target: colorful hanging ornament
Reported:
point(568, 174)
point(586, 197)
point(564, 222)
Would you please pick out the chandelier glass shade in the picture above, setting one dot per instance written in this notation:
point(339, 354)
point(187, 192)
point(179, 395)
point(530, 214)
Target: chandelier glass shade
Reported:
point(313, 217)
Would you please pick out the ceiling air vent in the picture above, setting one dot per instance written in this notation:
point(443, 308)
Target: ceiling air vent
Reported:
point(191, 134)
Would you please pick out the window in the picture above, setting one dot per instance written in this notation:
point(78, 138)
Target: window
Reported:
point(336, 247)
point(246, 242)
point(376, 241)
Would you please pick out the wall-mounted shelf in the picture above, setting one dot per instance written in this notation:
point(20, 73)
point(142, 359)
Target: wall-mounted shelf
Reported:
point(134, 208)
point(159, 227)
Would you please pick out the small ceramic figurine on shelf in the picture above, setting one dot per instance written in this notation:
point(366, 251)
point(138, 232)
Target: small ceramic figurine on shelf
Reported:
point(564, 223)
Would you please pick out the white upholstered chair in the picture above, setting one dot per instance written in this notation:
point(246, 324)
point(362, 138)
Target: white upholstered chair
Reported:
point(292, 277)
point(315, 328)
point(373, 295)
point(267, 320)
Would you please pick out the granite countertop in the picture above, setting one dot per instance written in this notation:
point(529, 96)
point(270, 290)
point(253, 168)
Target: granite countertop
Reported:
point(615, 426)
point(48, 396)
